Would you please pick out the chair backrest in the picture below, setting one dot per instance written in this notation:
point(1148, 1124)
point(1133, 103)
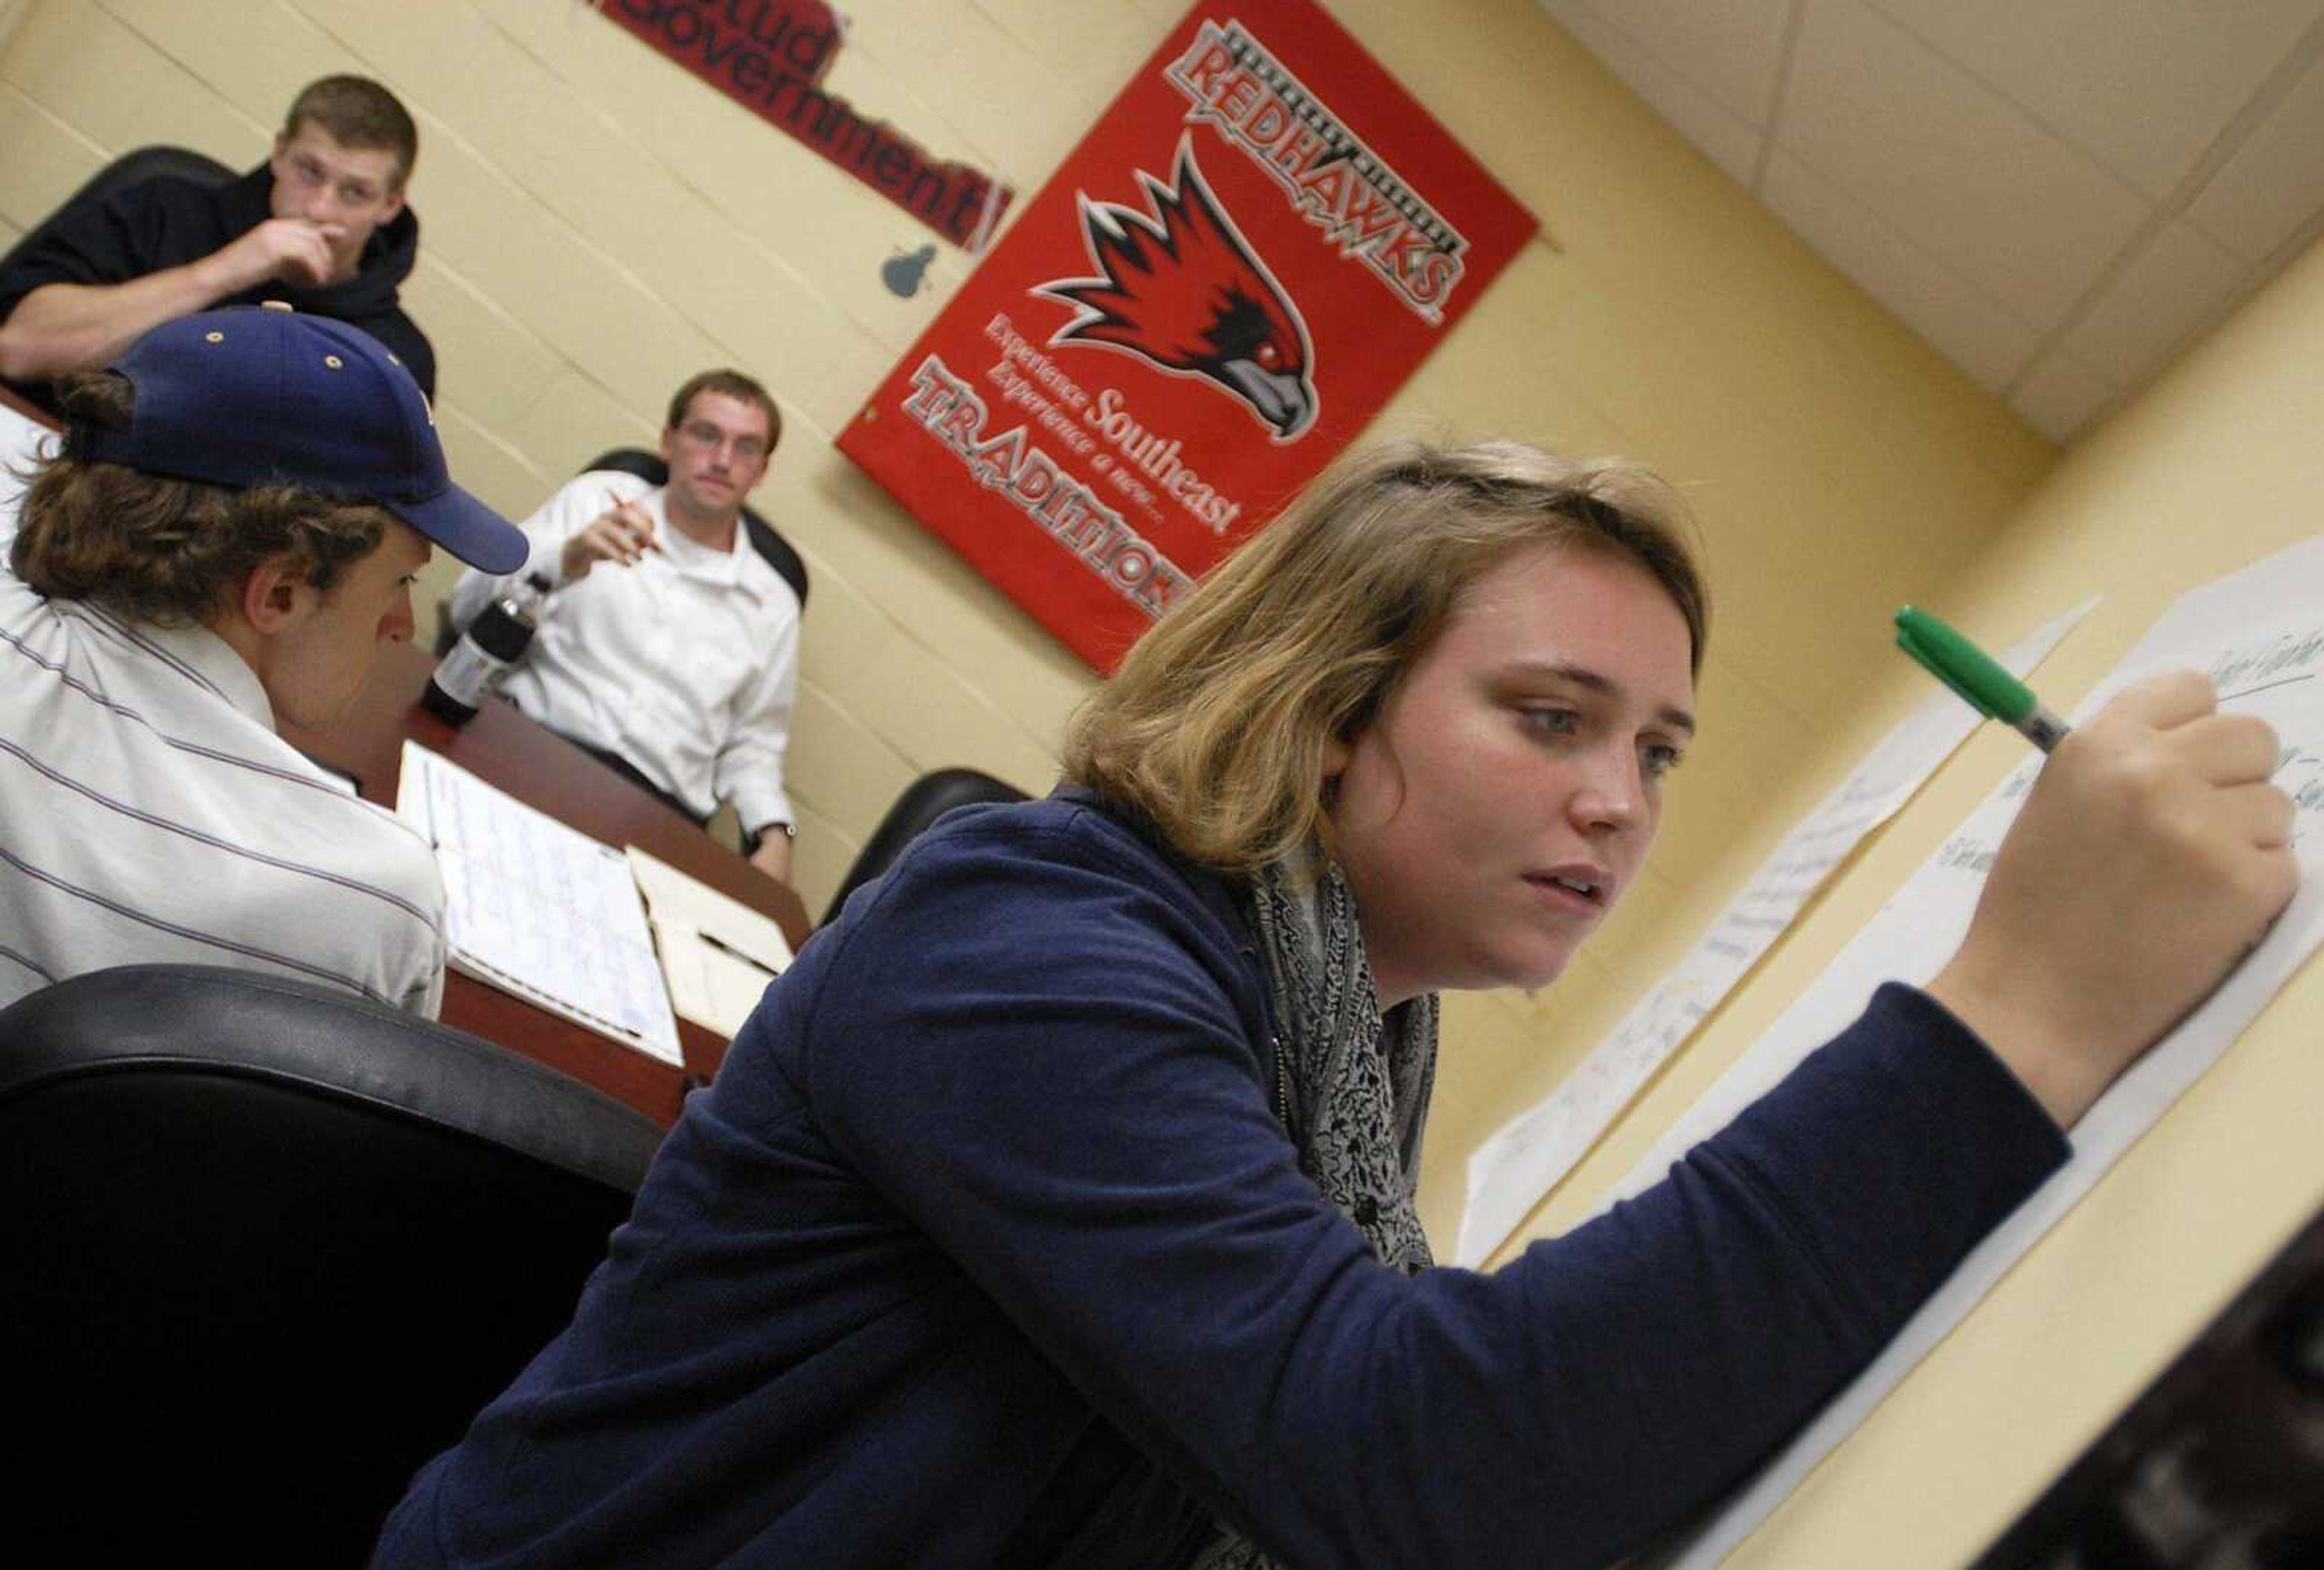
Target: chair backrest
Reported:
point(268, 1248)
point(130, 168)
point(765, 539)
point(924, 801)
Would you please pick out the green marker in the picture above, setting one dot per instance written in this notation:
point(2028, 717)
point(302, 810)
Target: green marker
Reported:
point(1970, 671)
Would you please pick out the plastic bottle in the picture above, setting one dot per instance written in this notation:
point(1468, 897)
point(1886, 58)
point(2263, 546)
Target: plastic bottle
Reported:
point(491, 647)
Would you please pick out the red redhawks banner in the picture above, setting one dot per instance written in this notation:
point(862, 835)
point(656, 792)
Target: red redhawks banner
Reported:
point(1247, 255)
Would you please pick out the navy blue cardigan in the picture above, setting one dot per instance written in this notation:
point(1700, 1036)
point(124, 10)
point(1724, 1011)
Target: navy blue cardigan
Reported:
point(986, 1249)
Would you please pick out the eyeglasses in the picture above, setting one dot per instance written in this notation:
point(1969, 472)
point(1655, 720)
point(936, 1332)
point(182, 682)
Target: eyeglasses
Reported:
point(748, 449)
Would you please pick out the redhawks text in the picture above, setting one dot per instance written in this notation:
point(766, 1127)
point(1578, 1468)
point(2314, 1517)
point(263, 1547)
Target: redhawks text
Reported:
point(1337, 183)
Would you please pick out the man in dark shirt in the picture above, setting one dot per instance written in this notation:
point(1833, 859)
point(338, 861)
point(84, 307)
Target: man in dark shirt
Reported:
point(322, 224)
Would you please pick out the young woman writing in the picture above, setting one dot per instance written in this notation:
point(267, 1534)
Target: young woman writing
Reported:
point(1056, 1208)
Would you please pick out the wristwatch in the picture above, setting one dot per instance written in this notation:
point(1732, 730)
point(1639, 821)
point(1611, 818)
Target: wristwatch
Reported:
point(752, 837)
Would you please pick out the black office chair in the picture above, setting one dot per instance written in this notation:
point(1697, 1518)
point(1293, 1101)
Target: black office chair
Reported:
point(924, 801)
point(764, 537)
point(267, 1248)
point(130, 168)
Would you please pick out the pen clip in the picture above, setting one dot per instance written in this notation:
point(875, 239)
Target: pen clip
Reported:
point(1963, 665)
point(1911, 645)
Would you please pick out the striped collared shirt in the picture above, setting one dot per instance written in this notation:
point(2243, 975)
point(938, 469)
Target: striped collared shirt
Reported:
point(149, 814)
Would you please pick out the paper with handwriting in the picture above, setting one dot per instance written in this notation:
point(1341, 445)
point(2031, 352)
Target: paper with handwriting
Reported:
point(2260, 634)
point(537, 908)
point(1512, 1171)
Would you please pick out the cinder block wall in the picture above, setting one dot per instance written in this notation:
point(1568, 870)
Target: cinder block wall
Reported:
point(597, 225)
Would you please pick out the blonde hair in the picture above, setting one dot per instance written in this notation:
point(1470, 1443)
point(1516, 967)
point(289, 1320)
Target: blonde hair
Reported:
point(1215, 727)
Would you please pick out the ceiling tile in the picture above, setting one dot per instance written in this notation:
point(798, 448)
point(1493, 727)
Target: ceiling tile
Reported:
point(2176, 283)
point(1950, 165)
point(1725, 138)
point(1971, 331)
point(2144, 85)
point(1728, 48)
point(2059, 397)
point(2273, 186)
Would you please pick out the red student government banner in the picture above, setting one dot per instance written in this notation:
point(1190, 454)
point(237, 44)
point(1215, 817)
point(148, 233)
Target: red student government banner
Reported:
point(1245, 257)
point(772, 56)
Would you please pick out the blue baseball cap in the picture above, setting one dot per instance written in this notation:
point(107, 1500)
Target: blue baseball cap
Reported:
point(259, 393)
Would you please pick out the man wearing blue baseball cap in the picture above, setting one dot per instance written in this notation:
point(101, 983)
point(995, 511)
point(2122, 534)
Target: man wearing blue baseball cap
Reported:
point(230, 532)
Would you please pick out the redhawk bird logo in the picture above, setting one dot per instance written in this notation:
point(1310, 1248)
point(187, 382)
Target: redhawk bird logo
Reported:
point(1183, 290)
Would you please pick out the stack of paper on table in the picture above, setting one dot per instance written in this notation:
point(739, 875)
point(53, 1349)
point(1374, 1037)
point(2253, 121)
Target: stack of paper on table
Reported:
point(539, 909)
point(717, 953)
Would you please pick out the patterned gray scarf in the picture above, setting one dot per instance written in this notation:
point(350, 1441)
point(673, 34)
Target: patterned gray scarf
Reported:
point(1356, 1082)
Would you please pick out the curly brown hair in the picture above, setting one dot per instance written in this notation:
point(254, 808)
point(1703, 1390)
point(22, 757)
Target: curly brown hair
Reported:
point(169, 551)
point(1217, 724)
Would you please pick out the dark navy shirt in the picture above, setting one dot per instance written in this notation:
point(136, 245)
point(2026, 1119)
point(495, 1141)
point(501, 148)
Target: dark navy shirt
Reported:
point(985, 1249)
point(170, 221)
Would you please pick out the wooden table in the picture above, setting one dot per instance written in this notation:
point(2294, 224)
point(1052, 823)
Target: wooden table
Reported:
point(12, 399)
point(546, 772)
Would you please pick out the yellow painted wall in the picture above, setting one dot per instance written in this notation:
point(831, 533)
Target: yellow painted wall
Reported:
point(597, 225)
